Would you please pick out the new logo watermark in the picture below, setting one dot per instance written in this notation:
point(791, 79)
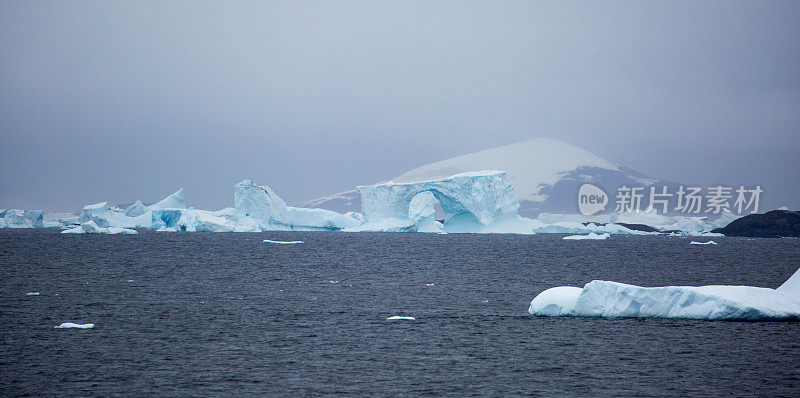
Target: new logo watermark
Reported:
point(686, 200)
point(591, 199)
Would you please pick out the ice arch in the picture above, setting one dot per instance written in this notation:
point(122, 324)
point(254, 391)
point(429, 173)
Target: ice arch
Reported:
point(471, 201)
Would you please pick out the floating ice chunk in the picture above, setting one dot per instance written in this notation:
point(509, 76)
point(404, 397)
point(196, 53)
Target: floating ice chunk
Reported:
point(429, 284)
point(290, 242)
point(334, 281)
point(398, 317)
point(91, 227)
point(591, 236)
point(711, 242)
point(70, 325)
point(619, 300)
point(32, 294)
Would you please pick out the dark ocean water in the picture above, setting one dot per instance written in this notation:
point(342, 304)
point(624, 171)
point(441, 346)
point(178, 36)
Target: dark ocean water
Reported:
point(204, 314)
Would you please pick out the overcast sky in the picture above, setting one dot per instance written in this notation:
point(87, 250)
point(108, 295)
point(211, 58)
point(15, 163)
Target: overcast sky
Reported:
point(120, 101)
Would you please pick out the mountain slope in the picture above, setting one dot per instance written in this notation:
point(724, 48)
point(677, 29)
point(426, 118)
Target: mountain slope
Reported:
point(545, 172)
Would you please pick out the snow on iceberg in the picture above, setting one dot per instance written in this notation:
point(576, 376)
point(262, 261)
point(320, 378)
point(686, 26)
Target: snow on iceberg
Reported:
point(70, 325)
point(91, 227)
point(482, 201)
point(711, 242)
point(619, 300)
point(591, 236)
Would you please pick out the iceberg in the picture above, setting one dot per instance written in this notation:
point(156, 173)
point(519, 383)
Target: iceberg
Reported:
point(270, 212)
point(32, 294)
point(70, 325)
point(91, 227)
point(591, 236)
point(717, 302)
point(262, 204)
point(17, 218)
point(711, 242)
point(482, 201)
point(399, 318)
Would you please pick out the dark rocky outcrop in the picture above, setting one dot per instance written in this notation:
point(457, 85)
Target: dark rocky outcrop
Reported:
point(772, 224)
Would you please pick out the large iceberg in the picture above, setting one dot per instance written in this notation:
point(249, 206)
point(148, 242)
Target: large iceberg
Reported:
point(482, 201)
point(16, 218)
point(619, 300)
point(262, 204)
point(271, 213)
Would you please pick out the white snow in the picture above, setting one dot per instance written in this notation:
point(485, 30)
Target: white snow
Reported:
point(591, 236)
point(398, 317)
point(290, 242)
point(32, 294)
point(91, 227)
point(711, 242)
point(70, 325)
point(716, 302)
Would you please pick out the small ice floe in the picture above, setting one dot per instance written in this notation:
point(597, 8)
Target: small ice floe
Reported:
point(591, 236)
point(399, 318)
point(129, 280)
point(485, 301)
point(70, 325)
point(32, 294)
point(711, 242)
point(333, 281)
point(429, 284)
point(290, 242)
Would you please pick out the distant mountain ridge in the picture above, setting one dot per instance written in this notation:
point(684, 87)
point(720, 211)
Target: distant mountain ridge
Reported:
point(545, 172)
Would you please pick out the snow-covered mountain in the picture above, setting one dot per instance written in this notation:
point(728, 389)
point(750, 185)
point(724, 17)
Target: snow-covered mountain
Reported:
point(545, 172)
